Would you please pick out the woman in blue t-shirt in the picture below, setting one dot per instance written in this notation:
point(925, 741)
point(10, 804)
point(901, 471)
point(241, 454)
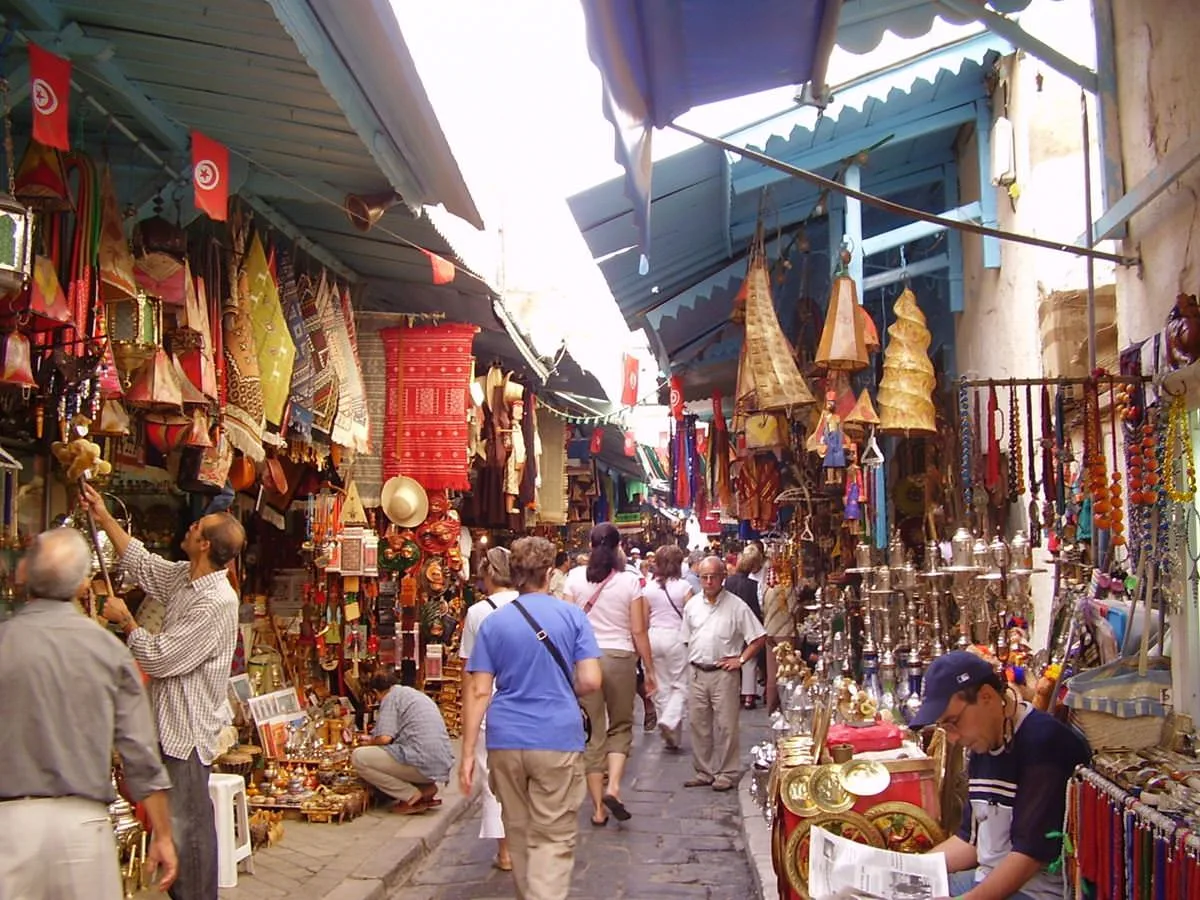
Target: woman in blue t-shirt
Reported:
point(540, 655)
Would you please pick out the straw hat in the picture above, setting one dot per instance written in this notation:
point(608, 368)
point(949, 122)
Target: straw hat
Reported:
point(404, 501)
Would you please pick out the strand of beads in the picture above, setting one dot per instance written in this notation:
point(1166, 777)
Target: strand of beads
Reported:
point(1114, 489)
point(1178, 436)
point(1016, 461)
point(964, 437)
point(1093, 460)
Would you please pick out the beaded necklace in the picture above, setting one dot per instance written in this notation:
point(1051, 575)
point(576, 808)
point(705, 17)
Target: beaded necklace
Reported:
point(1016, 463)
point(1179, 435)
point(964, 438)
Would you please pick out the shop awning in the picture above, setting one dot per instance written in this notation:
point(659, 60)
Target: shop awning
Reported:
point(658, 60)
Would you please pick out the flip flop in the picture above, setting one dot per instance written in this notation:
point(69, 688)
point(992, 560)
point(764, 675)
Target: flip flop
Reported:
point(601, 823)
point(697, 782)
point(416, 807)
point(617, 808)
point(503, 867)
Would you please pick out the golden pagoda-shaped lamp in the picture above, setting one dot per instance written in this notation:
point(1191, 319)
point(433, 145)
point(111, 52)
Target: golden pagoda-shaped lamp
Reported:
point(906, 389)
point(768, 379)
point(843, 341)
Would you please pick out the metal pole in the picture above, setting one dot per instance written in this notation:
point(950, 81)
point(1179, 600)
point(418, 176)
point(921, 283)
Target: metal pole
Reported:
point(899, 208)
point(1091, 263)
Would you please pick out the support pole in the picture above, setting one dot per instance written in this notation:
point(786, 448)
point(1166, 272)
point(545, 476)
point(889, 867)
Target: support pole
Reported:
point(1087, 211)
point(854, 229)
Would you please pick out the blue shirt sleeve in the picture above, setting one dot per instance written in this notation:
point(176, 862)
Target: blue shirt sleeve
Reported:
point(585, 639)
point(389, 716)
point(480, 659)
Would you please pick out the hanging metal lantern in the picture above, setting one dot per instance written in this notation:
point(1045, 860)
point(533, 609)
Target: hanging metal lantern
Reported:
point(843, 342)
point(157, 386)
point(134, 331)
point(15, 368)
point(16, 253)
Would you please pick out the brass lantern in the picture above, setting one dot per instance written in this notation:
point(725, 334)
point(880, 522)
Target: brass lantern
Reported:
point(16, 253)
point(134, 330)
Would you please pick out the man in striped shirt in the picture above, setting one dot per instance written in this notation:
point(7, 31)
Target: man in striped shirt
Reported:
point(188, 662)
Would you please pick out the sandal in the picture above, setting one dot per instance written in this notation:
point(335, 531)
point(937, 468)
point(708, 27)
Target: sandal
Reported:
point(503, 866)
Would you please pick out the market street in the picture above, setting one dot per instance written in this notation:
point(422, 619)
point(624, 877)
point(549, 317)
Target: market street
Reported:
point(680, 842)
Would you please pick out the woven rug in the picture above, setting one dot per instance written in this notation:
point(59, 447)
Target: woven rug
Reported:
point(243, 412)
point(301, 391)
point(425, 435)
point(314, 301)
point(357, 400)
point(368, 467)
point(552, 469)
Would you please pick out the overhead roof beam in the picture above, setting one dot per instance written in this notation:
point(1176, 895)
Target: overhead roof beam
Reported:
point(1023, 40)
point(287, 227)
point(914, 231)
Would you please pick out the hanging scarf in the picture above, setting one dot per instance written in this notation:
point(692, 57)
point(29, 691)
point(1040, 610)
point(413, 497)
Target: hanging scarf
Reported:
point(314, 302)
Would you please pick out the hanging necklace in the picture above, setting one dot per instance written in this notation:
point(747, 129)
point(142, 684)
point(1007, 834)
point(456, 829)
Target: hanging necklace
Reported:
point(1035, 526)
point(1178, 434)
point(1114, 488)
point(1049, 488)
point(964, 443)
point(1016, 463)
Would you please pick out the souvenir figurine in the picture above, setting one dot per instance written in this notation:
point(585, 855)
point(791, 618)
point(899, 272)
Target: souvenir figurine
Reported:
point(852, 499)
point(830, 442)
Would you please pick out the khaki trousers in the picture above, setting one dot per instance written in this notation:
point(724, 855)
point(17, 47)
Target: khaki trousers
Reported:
point(713, 712)
point(611, 709)
point(379, 768)
point(57, 848)
point(540, 792)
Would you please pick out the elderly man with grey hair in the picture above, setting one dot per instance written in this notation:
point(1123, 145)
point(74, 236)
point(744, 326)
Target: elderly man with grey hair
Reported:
point(722, 635)
point(72, 695)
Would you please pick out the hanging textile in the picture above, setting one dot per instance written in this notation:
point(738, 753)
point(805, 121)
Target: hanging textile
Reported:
point(531, 474)
point(314, 302)
point(552, 481)
point(720, 486)
point(300, 417)
point(275, 350)
point(243, 413)
point(757, 488)
point(425, 433)
point(352, 383)
point(368, 467)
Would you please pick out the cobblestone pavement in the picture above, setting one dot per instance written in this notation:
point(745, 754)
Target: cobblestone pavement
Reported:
point(680, 843)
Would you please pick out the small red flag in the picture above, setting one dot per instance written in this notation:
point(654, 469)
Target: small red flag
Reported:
point(676, 398)
point(597, 440)
point(443, 269)
point(50, 88)
point(210, 176)
point(629, 389)
point(630, 444)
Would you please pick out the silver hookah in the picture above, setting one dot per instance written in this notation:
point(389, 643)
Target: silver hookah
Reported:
point(963, 568)
point(933, 574)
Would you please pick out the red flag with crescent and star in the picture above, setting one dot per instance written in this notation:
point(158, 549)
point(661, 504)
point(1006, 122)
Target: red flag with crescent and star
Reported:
point(210, 176)
point(629, 389)
point(50, 90)
point(675, 400)
point(597, 441)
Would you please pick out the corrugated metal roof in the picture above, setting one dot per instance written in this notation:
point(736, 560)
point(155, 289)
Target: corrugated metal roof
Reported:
point(704, 211)
point(315, 99)
point(706, 206)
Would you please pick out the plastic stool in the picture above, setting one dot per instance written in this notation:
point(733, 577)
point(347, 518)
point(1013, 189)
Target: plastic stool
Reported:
point(228, 795)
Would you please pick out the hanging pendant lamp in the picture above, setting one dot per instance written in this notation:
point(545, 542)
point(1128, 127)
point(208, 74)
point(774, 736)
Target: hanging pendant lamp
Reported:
point(843, 341)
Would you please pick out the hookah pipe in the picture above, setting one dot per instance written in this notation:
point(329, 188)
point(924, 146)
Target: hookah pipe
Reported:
point(95, 535)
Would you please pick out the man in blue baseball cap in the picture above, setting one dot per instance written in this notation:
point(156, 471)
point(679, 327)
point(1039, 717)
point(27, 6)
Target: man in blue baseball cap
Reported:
point(1019, 764)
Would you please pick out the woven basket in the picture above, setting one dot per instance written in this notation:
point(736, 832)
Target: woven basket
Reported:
point(234, 763)
point(1108, 732)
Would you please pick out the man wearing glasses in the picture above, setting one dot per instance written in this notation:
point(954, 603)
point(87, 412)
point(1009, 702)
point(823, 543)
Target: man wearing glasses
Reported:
point(1019, 764)
point(721, 634)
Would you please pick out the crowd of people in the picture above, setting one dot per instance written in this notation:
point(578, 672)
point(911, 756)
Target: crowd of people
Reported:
point(555, 656)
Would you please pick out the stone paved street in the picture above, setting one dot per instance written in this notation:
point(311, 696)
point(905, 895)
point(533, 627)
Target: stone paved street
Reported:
point(680, 843)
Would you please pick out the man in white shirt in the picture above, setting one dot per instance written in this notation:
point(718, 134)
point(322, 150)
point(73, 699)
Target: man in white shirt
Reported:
point(722, 635)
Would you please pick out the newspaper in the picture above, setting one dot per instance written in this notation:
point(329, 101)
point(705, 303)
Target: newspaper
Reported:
point(839, 869)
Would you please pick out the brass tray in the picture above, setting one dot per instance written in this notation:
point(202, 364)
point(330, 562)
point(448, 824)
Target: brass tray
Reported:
point(849, 825)
point(827, 791)
point(905, 827)
point(795, 793)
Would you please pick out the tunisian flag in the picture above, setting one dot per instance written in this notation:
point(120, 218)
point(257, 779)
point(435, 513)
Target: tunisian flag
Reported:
point(629, 388)
point(443, 269)
point(210, 176)
point(50, 88)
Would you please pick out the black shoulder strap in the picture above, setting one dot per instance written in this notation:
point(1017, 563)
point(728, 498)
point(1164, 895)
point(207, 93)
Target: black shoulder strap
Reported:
point(491, 602)
point(546, 642)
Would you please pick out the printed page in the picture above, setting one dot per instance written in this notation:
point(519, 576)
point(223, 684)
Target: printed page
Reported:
point(839, 869)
